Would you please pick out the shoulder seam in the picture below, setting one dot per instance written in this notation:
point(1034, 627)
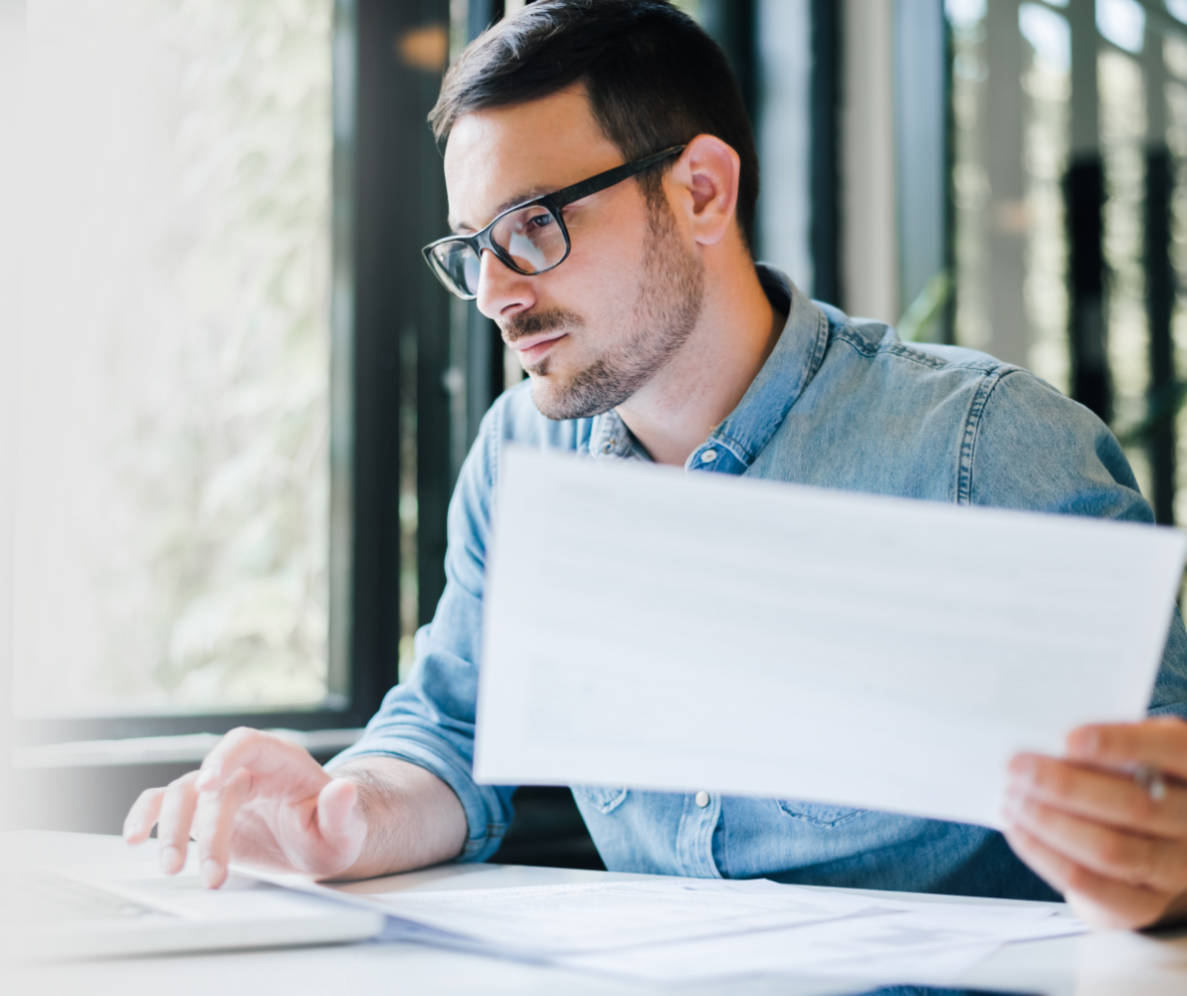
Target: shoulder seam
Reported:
point(972, 431)
point(905, 350)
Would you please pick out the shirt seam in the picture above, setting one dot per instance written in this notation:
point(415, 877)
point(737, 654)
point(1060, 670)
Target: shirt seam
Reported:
point(906, 351)
point(972, 433)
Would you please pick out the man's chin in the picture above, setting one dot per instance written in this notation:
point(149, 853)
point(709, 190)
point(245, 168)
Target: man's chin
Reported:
point(548, 400)
point(559, 403)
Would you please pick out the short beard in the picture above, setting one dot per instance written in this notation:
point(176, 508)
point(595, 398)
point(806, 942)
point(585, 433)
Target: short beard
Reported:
point(670, 297)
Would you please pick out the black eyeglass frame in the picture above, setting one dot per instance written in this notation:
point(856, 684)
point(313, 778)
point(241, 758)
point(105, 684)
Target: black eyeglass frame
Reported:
point(554, 202)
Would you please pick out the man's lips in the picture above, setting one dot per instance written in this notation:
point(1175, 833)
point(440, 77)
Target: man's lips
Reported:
point(531, 348)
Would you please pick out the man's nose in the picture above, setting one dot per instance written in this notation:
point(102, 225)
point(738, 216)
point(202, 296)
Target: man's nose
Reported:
point(501, 291)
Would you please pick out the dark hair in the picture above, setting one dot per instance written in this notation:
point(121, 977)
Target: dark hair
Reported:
point(654, 77)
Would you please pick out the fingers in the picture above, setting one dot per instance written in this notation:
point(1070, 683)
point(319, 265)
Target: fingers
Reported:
point(1128, 858)
point(209, 804)
point(341, 824)
point(1098, 899)
point(172, 809)
point(323, 834)
point(175, 822)
point(278, 767)
point(142, 817)
point(1160, 742)
point(1118, 853)
point(1110, 798)
point(215, 822)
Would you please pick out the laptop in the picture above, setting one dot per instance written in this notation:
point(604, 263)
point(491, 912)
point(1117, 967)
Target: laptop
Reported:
point(107, 909)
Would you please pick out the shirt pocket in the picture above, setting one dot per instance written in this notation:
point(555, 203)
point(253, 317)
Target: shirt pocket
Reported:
point(605, 800)
point(817, 814)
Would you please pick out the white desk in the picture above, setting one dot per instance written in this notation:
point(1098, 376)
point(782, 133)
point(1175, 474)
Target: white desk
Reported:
point(1099, 964)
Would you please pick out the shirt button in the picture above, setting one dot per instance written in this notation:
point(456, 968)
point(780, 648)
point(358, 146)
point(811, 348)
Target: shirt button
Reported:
point(608, 446)
point(708, 456)
point(702, 798)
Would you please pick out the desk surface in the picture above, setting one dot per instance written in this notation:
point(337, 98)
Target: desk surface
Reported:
point(1113, 963)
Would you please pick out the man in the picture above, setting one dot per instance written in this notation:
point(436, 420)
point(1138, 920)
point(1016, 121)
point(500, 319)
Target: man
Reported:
point(601, 173)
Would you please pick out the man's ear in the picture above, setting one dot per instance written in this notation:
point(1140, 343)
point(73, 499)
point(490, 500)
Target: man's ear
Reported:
point(707, 175)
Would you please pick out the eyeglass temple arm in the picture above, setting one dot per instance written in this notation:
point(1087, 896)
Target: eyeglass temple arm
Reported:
point(610, 177)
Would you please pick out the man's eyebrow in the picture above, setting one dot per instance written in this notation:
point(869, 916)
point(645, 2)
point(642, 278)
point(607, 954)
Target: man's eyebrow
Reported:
point(461, 228)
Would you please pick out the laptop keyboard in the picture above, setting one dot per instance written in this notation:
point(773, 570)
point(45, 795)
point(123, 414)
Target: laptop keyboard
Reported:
point(47, 898)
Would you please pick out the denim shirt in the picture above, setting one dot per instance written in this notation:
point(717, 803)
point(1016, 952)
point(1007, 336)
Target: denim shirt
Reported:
point(839, 403)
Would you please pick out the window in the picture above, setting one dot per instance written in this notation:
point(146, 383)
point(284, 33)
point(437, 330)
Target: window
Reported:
point(172, 492)
point(1068, 177)
point(216, 338)
point(242, 401)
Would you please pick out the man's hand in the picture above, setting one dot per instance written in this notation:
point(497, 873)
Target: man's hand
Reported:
point(1114, 846)
point(260, 798)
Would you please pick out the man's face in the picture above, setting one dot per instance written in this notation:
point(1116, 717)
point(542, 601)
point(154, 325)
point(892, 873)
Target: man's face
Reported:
point(602, 325)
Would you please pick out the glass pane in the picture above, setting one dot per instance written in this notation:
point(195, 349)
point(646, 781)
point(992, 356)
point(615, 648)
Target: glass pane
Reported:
point(173, 412)
point(1074, 120)
point(1010, 244)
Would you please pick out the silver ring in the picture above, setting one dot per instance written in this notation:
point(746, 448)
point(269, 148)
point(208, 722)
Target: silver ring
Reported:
point(1152, 780)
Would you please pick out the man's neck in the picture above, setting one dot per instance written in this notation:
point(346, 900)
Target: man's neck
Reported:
point(704, 382)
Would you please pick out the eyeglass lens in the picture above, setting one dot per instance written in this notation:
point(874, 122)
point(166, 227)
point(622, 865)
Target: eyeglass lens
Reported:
point(531, 239)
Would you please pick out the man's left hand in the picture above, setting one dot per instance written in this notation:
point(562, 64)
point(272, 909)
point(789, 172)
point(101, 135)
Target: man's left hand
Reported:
point(1114, 843)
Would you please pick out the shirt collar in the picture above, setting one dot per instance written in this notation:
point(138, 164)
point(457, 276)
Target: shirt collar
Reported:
point(743, 433)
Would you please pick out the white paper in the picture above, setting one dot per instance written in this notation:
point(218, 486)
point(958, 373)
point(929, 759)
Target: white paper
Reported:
point(557, 919)
point(651, 628)
point(891, 947)
point(672, 928)
point(538, 921)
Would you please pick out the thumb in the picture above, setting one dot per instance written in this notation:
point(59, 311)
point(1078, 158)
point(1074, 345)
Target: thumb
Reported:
point(340, 819)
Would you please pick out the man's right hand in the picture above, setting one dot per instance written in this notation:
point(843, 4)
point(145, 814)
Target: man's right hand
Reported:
point(256, 798)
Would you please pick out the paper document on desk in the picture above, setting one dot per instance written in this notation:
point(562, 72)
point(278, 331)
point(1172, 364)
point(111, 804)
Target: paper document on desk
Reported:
point(598, 914)
point(925, 940)
point(651, 628)
point(665, 927)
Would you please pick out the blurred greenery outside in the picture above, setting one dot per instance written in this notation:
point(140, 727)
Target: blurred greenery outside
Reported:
point(200, 530)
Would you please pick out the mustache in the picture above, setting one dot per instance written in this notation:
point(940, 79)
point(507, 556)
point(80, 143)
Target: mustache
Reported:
point(533, 323)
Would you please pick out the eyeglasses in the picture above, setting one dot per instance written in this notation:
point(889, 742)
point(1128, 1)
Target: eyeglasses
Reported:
point(529, 238)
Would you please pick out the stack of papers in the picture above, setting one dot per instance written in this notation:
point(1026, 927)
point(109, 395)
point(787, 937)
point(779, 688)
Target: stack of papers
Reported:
point(668, 929)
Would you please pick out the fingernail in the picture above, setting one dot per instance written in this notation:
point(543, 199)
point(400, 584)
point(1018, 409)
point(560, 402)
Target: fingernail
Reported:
point(1084, 742)
point(206, 779)
point(170, 860)
point(211, 873)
